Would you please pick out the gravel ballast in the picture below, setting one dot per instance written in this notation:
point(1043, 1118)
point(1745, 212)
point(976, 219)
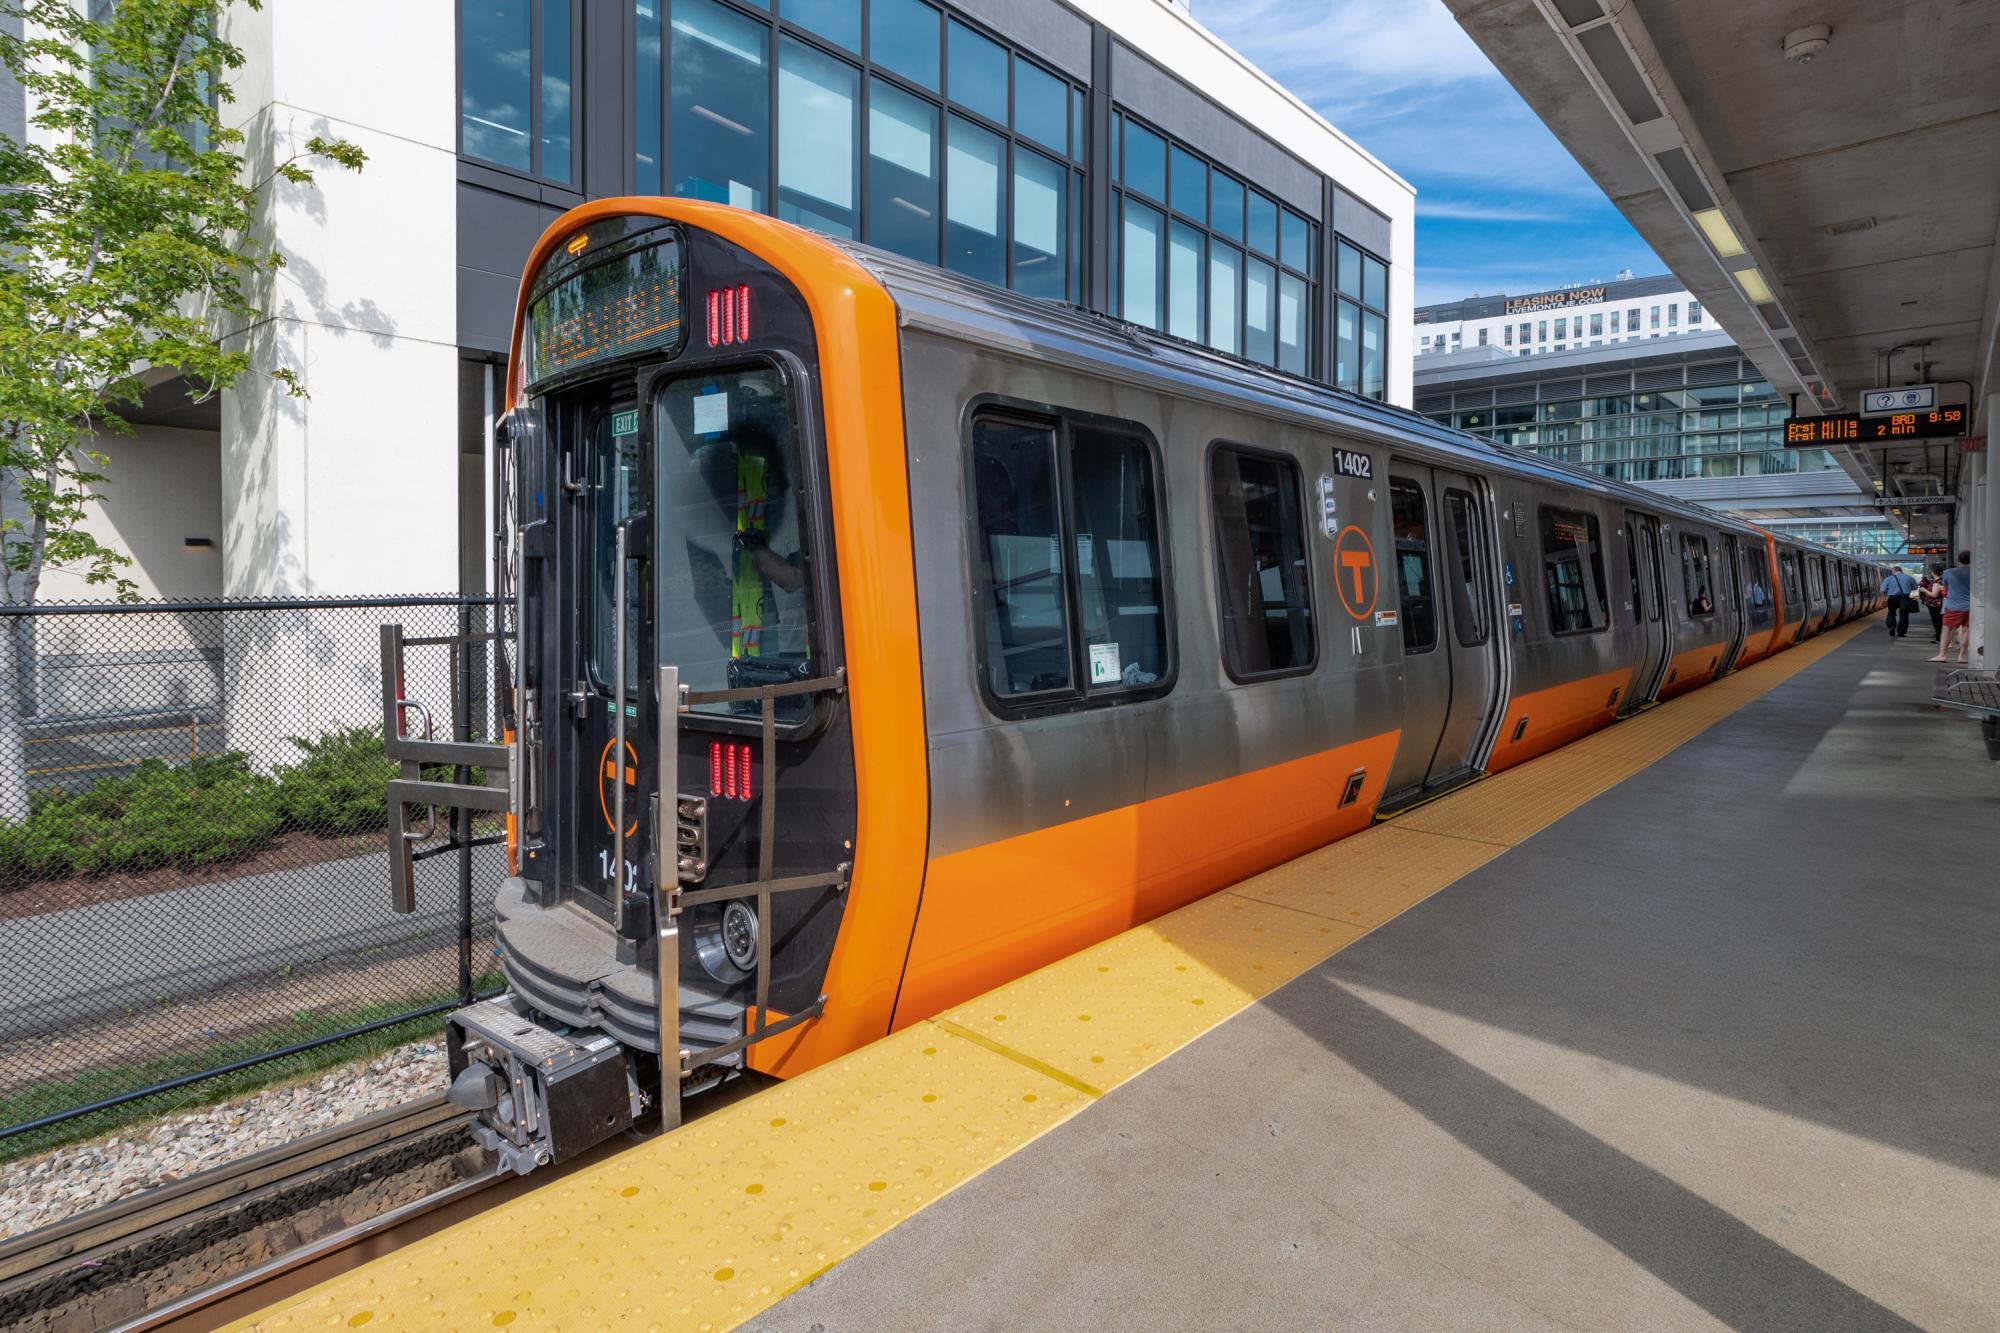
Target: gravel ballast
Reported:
point(58, 1184)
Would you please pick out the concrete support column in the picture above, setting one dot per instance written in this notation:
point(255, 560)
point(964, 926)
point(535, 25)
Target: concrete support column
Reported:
point(1984, 539)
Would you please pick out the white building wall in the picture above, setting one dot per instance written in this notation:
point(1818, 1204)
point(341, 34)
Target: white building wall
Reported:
point(164, 487)
point(1495, 326)
point(1171, 38)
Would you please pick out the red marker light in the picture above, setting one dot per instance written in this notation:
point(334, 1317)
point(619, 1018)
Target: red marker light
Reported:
point(743, 314)
point(714, 305)
point(715, 768)
point(729, 774)
point(746, 772)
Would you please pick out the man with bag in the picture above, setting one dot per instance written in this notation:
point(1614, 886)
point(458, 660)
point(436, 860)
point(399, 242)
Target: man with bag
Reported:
point(1901, 590)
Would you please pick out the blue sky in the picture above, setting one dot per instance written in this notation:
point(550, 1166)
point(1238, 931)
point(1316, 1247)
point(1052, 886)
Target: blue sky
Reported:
point(1501, 206)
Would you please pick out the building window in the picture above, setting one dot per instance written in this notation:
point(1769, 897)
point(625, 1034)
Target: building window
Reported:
point(1482, 337)
point(1541, 330)
point(1694, 312)
point(1596, 325)
point(1362, 320)
point(516, 70)
point(1262, 564)
point(1632, 320)
point(974, 152)
point(1562, 328)
point(1524, 334)
point(1065, 506)
point(1673, 314)
point(1655, 317)
point(1509, 338)
point(1204, 257)
point(1570, 546)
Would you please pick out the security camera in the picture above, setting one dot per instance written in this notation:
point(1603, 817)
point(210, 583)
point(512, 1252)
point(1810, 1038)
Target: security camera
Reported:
point(1802, 44)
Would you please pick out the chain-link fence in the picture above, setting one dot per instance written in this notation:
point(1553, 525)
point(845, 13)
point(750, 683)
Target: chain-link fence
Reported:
point(194, 881)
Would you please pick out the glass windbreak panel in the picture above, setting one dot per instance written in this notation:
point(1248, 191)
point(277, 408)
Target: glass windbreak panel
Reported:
point(819, 138)
point(1187, 183)
point(1024, 622)
point(1184, 280)
point(1041, 106)
point(903, 37)
point(1468, 606)
point(1114, 515)
point(555, 163)
point(1039, 227)
point(1374, 282)
point(493, 75)
point(1347, 346)
point(1413, 565)
point(839, 21)
point(1347, 270)
point(976, 73)
point(1373, 365)
point(721, 121)
point(1260, 312)
point(1291, 323)
point(1262, 576)
point(733, 568)
point(1140, 244)
point(1225, 283)
point(1225, 204)
point(975, 202)
point(902, 172)
point(1573, 571)
point(1263, 224)
point(1295, 242)
point(648, 114)
point(1695, 575)
point(1145, 161)
point(614, 497)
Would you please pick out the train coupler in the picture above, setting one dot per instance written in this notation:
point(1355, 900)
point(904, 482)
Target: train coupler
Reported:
point(541, 1096)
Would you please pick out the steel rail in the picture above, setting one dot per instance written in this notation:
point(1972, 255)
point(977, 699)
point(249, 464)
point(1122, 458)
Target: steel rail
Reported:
point(166, 1208)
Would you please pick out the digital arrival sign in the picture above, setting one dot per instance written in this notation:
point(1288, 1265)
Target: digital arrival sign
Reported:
point(1853, 428)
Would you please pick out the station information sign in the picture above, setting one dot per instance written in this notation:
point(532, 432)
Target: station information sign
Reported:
point(1853, 428)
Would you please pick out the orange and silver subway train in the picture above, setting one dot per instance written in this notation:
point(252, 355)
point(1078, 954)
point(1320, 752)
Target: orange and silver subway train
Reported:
point(884, 636)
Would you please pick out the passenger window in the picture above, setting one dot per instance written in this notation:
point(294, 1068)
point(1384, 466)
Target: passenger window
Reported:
point(735, 606)
point(1413, 565)
point(1573, 571)
point(1468, 604)
point(1074, 602)
point(1788, 569)
point(1695, 575)
point(1756, 590)
point(1025, 619)
point(1117, 548)
point(1261, 566)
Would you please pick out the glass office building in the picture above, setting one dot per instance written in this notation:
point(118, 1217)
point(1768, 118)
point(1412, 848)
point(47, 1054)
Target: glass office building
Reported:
point(1018, 142)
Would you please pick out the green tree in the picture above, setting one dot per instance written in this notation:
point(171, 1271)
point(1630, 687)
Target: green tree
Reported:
point(127, 244)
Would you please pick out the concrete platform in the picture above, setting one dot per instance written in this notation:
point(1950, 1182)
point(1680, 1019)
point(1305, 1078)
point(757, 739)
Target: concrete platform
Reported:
point(1721, 1046)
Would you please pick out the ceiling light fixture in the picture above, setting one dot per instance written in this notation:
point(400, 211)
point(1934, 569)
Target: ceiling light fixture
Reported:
point(1720, 234)
point(1754, 285)
point(1803, 44)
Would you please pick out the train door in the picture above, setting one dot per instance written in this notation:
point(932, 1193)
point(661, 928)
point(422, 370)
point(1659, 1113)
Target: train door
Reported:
point(1642, 553)
point(1731, 595)
point(608, 712)
point(1444, 580)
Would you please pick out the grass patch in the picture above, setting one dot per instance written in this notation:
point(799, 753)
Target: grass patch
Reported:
point(82, 1089)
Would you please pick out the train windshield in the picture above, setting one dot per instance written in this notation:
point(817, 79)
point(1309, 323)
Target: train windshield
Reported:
point(735, 585)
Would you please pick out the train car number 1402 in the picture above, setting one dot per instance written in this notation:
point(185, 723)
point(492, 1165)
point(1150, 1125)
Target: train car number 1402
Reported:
point(1351, 464)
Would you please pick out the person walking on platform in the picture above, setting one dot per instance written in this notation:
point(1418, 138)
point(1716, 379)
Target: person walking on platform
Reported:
point(1901, 591)
point(1930, 596)
point(1957, 609)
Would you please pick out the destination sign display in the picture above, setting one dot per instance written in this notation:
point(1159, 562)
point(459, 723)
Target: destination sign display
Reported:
point(1853, 428)
point(629, 303)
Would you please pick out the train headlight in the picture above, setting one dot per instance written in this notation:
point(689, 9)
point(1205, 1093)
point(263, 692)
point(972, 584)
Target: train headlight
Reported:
point(739, 934)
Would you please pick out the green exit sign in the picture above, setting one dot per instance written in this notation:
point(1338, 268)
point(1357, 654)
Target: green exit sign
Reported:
point(624, 423)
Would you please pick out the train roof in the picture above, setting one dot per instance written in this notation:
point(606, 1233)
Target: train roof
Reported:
point(932, 298)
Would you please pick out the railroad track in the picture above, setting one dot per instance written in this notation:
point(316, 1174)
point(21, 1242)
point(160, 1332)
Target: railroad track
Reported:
point(116, 1242)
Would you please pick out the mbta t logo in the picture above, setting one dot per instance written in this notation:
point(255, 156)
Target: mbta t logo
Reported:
point(1355, 575)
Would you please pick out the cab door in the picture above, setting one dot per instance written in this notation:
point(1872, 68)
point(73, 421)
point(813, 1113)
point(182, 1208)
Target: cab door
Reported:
point(1642, 550)
point(608, 708)
point(1444, 572)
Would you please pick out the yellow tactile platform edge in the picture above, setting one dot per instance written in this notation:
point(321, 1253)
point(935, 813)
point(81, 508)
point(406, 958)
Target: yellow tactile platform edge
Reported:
point(708, 1226)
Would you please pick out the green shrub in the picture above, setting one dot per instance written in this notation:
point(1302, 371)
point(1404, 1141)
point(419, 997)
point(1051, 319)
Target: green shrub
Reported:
point(160, 814)
point(340, 786)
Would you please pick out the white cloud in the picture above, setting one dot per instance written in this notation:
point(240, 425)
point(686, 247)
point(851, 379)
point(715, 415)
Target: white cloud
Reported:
point(1460, 211)
point(1344, 47)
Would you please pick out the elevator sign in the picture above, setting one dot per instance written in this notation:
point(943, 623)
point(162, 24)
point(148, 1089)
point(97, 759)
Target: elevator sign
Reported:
point(1909, 398)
